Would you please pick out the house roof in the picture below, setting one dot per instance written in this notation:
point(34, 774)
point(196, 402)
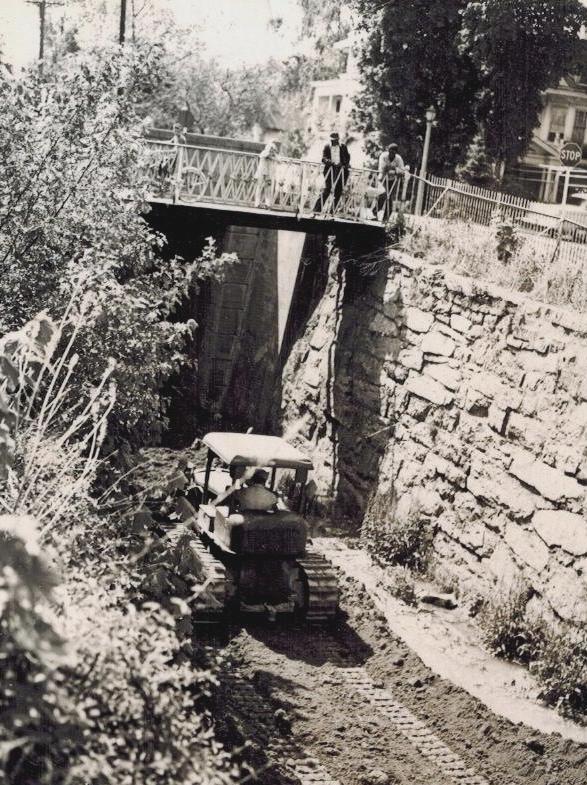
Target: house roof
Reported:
point(252, 449)
point(545, 147)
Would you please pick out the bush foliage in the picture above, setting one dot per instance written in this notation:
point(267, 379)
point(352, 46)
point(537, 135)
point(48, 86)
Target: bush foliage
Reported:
point(405, 540)
point(509, 631)
point(72, 194)
point(96, 685)
point(556, 653)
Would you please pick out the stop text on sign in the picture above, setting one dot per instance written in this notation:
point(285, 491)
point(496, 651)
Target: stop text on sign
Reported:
point(570, 154)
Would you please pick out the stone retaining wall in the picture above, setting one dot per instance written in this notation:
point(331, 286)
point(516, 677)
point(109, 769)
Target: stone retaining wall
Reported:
point(460, 403)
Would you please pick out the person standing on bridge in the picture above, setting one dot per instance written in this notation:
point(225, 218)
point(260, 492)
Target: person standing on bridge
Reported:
point(265, 174)
point(169, 165)
point(336, 159)
point(391, 170)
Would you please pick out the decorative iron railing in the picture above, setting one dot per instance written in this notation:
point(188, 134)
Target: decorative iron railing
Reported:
point(186, 173)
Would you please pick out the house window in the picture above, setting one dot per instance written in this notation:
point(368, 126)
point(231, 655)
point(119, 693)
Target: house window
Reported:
point(558, 117)
point(579, 126)
point(337, 103)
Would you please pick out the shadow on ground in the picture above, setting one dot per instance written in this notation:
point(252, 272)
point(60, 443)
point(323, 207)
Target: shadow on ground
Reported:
point(334, 644)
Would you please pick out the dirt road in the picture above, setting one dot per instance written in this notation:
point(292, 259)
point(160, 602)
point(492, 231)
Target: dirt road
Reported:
point(351, 705)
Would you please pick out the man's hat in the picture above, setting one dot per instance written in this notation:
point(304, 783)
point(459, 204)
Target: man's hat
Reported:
point(393, 146)
point(259, 476)
point(334, 135)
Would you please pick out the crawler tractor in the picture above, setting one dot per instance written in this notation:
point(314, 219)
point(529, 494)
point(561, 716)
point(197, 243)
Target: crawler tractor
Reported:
point(252, 553)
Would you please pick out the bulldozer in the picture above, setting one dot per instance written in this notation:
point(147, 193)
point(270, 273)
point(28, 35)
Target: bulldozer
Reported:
point(252, 550)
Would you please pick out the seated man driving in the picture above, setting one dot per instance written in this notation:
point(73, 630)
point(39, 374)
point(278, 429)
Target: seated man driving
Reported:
point(254, 496)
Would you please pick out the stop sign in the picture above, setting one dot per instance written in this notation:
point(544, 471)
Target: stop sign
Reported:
point(570, 154)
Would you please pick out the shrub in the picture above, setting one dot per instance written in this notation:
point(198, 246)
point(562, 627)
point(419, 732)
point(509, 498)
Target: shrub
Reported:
point(506, 237)
point(140, 700)
point(401, 584)
point(406, 540)
point(477, 169)
point(561, 670)
point(72, 165)
point(123, 701)
point(557, 654)
point(507, 628)
point(36, 733)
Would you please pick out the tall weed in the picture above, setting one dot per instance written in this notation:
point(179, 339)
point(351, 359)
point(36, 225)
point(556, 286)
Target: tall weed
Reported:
point(561, 670)
point(500, 254)
point(508, 630)
point(95, 684)
point(404, 540)
point(556, 653)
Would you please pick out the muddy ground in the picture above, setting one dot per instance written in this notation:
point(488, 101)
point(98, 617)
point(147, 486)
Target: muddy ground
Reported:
point(284, 696)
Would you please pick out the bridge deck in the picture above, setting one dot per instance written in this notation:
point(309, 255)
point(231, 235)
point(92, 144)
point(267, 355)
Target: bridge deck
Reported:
point(294, 194)
point(238, 215)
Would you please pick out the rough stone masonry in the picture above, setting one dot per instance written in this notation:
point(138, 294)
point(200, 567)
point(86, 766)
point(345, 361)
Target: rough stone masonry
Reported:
point(460, 402)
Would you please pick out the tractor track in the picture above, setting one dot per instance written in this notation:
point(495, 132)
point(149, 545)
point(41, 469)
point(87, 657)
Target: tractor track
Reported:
point(343, 703)
point(329, 695)
point(285, 756)
point(417, 732)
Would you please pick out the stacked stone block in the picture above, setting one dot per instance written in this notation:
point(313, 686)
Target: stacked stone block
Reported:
point(465, 404)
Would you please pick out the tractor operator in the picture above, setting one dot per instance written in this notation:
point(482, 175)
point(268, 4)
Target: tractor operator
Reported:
point(255, 495)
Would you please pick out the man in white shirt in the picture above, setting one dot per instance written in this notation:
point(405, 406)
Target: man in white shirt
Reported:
point(391, 170)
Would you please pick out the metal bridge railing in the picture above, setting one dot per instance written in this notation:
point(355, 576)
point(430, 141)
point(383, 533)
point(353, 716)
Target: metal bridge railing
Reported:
point(186, 173)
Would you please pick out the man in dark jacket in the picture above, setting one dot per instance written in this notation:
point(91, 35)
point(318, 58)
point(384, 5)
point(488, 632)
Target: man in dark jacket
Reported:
point(336, 160)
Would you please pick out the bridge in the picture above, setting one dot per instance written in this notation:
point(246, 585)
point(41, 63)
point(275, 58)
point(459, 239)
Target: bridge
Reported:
point(212, 177)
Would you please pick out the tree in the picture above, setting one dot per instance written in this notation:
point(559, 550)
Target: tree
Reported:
point(519, 48)
point(72, 194)
point(484, 65)
point(410, 58)
point(223, 101)
point(477, 168)
point(325, 22)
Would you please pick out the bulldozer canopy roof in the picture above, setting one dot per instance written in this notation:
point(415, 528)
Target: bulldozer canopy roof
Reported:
point(253, 449)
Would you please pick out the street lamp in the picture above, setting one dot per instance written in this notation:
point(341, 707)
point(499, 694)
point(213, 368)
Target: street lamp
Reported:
point(430, 118)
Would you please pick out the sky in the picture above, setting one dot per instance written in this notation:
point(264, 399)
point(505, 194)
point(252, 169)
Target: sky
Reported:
point(234, 31)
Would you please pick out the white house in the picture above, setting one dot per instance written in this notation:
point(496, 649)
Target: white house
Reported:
point(563, 119)
point(332, 105)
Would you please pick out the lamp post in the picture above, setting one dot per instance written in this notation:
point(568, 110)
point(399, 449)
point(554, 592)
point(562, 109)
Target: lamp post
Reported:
point(430, 118)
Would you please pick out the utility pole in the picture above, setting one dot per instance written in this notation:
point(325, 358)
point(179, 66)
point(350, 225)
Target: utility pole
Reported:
point(122, 33)
point(42, 6)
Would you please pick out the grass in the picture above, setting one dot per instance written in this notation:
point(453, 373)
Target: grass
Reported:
point(509, 631)
point(555, 653)
point(522, 263)
point(401, 540)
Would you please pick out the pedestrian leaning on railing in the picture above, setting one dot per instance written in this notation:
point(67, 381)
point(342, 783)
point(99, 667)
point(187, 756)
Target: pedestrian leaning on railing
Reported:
point(390, 172)
point(265, 174)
